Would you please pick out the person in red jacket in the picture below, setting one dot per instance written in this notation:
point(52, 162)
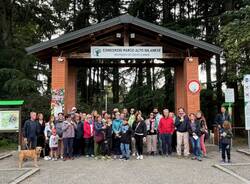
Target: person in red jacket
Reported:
point(166, 129)
point(88, 135)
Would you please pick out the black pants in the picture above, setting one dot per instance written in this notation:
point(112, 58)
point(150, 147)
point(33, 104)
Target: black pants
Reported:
point(106, 147)
point(46, 148)
point(116, 145)
point(41, 143)
point(225, 148)
point(166, 143)
point(68, 147)
point(139, 144)
point(78, 146)
point(32, 142)
point(89, 146)
point(174, 141)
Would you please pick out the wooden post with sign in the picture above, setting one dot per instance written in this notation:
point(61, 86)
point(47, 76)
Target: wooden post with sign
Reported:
point(10, 120)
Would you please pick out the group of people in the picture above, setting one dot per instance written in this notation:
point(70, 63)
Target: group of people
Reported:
point(122, 134)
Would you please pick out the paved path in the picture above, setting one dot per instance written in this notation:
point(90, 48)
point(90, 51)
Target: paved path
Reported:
point(156, 170)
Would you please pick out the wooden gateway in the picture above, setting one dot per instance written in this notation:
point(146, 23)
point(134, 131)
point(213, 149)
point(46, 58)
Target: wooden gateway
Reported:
point(69, 51)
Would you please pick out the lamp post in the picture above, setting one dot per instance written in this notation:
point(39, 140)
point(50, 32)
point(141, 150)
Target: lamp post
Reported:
point(106, 94)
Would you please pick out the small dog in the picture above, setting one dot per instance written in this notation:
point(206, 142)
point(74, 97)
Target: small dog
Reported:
point(34, 154)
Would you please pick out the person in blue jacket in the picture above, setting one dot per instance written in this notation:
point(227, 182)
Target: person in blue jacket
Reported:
point(116, 129)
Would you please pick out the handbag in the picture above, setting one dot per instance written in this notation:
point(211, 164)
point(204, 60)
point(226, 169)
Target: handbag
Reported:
point(99, 137)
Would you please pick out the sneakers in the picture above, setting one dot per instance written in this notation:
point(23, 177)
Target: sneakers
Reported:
point(194, 158)
point(199, 159)
point(47, 158)
point(87, 156)
point(133, 154)
point(139, 157)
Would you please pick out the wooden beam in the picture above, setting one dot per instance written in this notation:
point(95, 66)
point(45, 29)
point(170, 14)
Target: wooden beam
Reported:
point(126, 36)
point(87, 55)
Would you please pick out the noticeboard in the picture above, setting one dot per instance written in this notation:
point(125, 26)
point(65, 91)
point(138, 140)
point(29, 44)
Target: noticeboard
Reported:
point(9, 120)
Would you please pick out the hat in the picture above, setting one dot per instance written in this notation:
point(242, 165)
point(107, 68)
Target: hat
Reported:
point(73, 108)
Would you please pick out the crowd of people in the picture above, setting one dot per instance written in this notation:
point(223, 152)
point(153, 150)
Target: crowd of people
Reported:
point(123, 134)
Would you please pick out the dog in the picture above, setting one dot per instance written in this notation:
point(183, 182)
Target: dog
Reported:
point(34, 154)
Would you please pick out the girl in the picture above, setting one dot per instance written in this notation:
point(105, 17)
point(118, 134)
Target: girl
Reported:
point(194, 134)
point(202, 121)
point(53, 144)
point(151, 135)
point(140, 132)
point(226, 136)
point(47, 134)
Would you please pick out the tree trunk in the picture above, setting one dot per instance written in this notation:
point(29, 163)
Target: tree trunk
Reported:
point(115, 85)
point(218, 82)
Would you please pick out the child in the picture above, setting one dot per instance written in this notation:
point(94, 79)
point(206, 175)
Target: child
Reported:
point(107, 138)
point(125, 139)
point(226, 136)
point(53, 144)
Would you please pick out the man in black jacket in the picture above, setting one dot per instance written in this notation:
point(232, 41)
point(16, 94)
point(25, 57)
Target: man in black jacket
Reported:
point(30, 131)
point(182, 127)
point(219, 120)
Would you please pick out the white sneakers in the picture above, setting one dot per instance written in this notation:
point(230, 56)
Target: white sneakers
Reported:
point(139, 157)
point(47, 158)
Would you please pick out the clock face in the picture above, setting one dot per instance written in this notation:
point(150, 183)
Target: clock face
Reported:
point(194, 86)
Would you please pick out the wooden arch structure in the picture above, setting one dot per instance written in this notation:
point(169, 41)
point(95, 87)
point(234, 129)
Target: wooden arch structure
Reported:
point(69, 51)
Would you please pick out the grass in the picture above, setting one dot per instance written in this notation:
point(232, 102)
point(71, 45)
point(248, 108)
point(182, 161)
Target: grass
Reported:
point(7, 145)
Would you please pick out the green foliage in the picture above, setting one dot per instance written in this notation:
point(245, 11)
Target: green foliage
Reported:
point(235, 39)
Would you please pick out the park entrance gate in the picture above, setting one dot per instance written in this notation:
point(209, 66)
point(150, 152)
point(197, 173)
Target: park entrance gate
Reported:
point(67, 52)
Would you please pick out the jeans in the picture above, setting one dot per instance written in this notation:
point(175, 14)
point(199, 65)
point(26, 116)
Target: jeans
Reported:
point(159, 142)
point(225, 148)
point(196, 147)
point(166, 143)
point(89, 146)
point(32, 142)
point(68, 147)
point(139, 144)
point(125, 150)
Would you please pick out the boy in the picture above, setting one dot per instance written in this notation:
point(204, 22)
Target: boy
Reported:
point(107, 138)
point(226, 136)
point(125, 139)
point(53, 144)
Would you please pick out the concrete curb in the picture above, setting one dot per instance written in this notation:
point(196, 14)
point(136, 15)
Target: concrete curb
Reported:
point(228, 171)
point(5, 156)
point(21, 178)
point(244, 151)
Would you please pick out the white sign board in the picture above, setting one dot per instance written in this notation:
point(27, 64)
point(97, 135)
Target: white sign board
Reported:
point(9, 120)
point(126, 52)
point(229, 95)
point(247, 101)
